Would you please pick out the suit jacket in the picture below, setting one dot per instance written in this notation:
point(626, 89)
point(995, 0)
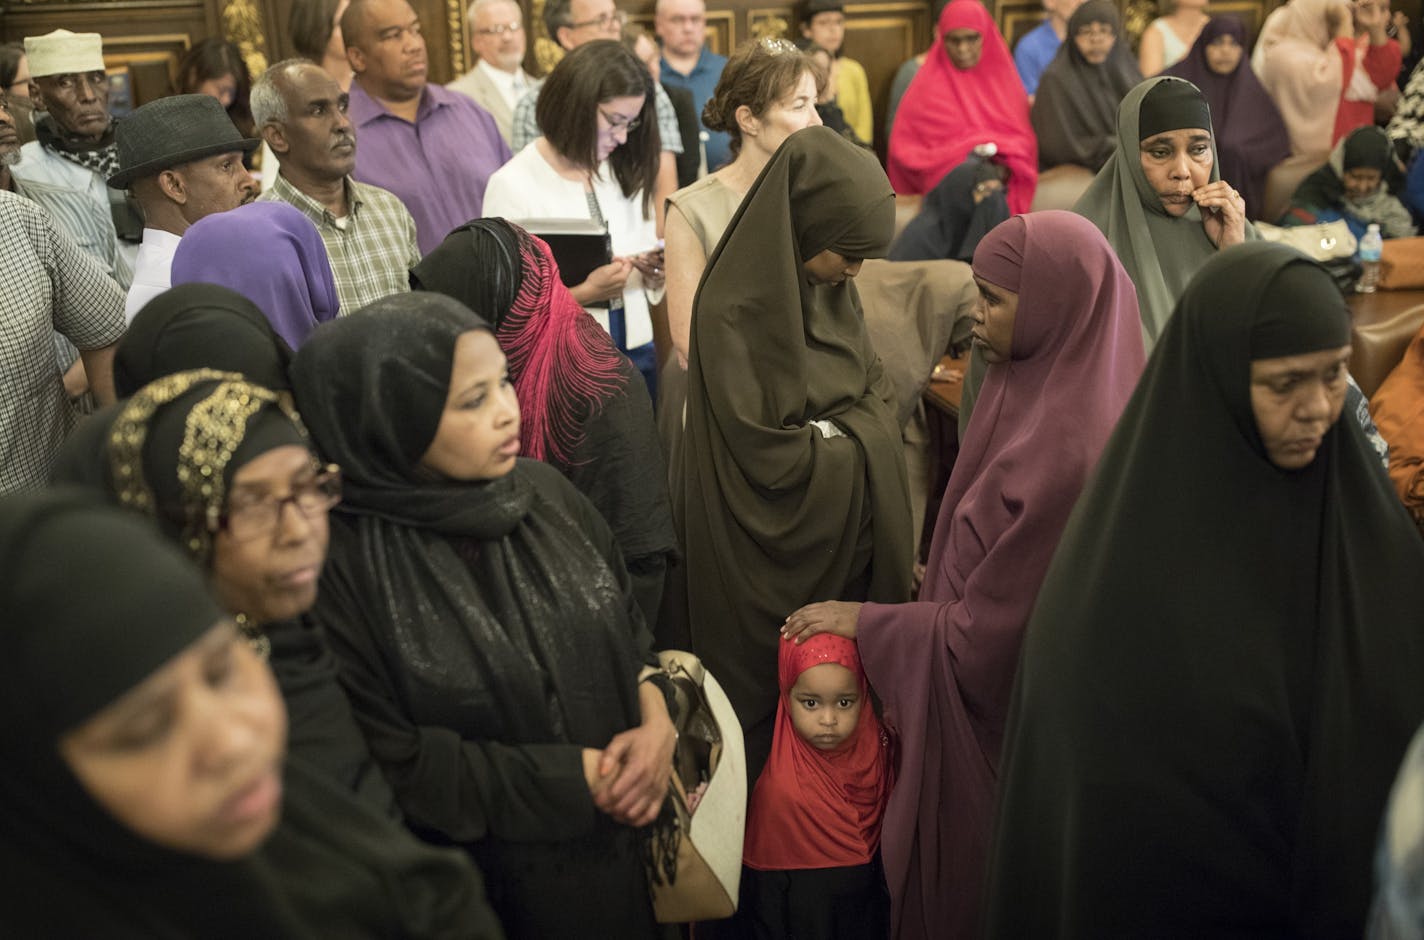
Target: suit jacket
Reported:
point(475, 84)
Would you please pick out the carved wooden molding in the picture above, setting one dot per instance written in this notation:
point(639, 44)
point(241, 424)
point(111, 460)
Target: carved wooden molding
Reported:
point(455, 22)
point(242, 25)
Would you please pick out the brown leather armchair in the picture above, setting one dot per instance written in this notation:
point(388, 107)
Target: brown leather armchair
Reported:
point(1383, 324)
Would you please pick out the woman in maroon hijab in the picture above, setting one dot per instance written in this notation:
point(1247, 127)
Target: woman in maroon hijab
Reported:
point(1250, 135)
point(1064, 348)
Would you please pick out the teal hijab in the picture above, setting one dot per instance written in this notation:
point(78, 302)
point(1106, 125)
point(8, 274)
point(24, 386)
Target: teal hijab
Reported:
point(1160, 252)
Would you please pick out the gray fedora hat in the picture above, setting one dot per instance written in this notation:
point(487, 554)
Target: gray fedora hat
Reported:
point(174, 130)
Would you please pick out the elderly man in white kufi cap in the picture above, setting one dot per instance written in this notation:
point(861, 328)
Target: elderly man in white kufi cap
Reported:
point(75, 147)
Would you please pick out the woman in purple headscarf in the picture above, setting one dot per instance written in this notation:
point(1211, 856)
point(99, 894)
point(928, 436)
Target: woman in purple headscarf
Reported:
point(269, 253)
point(1064, 348)
point(1251, 137)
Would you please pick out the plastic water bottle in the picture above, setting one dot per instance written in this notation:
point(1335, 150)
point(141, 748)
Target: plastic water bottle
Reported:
point(1370, 247)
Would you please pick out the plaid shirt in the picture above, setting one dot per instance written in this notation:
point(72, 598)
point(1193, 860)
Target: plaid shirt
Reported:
point(49, 285)
point(372, 255)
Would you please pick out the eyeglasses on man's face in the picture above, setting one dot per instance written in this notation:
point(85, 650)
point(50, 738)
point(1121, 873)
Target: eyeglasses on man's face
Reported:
point(499, 29)
point(603, 21)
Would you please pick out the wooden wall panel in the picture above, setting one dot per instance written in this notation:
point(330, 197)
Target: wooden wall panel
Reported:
point(144, 38)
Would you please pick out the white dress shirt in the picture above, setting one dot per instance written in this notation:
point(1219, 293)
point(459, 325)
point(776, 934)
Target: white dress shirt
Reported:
point(153, 273)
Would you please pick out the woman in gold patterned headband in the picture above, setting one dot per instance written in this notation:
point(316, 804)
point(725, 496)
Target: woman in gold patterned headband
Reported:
point(226, 470)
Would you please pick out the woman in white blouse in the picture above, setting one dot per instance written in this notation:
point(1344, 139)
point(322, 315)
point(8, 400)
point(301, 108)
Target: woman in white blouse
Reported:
point(597, 159)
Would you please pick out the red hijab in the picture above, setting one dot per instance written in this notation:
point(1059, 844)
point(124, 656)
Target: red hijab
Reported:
point(947, 112)
point(814, 808)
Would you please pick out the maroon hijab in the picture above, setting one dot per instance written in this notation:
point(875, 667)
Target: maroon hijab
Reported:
point(944, 665)
point(1250, 135)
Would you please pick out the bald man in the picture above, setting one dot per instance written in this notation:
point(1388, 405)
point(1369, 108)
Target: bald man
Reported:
point(435, 149)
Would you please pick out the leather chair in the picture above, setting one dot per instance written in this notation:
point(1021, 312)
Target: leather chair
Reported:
point(1383, 323)
point(1060, 186)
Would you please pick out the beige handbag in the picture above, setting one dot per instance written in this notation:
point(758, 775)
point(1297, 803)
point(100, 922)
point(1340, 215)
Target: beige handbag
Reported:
point(1323, 241)
point(695, 874)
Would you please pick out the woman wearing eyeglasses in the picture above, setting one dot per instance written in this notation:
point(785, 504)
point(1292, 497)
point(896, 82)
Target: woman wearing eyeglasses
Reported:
point(226, 470)
point(597, 159)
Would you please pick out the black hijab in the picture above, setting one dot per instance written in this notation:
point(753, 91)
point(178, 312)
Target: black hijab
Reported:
point(1222, 670)
point(584, 408)
point(200, 326)
point(950, 223)
point(138, 453)
point(331, 868)
point(770, 353)
point(460, 588)
point(1074, 111)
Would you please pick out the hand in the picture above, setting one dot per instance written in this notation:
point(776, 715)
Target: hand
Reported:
point(1400, 23)
point(838, 617)
point(650, 265)
point(604, 283)
point(984, 188)
point(1372, 17)
point(591, 759)
point(639, 763)
point(1223, 213)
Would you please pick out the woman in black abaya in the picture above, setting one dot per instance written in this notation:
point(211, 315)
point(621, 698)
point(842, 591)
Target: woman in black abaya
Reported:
point(1222, 671)
point(144, 785)
point(487, 630)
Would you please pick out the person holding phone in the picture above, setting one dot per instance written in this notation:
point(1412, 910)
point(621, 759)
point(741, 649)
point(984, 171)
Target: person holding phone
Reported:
point(597, 158)
point(1160, 198)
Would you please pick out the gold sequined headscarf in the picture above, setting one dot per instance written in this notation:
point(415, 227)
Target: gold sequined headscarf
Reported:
point(221, 411)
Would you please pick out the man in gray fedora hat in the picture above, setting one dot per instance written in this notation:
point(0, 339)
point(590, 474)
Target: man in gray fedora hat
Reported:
point(181, 159)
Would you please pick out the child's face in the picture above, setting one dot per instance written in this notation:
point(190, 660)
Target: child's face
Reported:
point(825, 705)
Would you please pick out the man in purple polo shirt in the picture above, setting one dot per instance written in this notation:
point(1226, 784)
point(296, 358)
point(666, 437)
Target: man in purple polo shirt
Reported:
point(434, 148)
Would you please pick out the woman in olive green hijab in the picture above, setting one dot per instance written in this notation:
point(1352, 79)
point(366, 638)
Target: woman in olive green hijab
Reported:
point(792, 486)
point(1160, 199)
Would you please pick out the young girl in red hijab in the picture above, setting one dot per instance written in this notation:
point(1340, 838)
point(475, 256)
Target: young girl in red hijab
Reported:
point(812, 867)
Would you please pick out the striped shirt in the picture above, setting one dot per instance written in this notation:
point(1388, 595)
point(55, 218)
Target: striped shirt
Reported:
point(372, 248)
point(49, 286)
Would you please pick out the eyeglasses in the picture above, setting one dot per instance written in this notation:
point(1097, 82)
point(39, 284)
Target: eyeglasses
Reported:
point(250, 519)
point(620, 124)
point(499, 29)
point(603, 21)
point(1095, 31)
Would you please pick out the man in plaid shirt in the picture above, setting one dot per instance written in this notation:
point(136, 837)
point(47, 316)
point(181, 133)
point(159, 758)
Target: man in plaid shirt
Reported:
point(370, 236)
point(49, 286)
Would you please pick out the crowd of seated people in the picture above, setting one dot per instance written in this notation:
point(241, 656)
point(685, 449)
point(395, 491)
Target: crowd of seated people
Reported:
point(386, 504)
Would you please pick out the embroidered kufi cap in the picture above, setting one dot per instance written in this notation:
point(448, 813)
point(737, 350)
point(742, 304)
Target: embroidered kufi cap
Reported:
point(62, 52)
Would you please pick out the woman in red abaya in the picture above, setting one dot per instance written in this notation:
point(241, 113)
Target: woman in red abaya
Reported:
point(967, 93)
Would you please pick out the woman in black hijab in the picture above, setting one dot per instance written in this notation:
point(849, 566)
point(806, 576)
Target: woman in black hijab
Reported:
point(792, 487)
point(200, 326)
point(583, 407)
point(487, 631)
point(1221, 674)
point(1074, 112)
point(956, 214)
point(209, 456)
point(144, 777)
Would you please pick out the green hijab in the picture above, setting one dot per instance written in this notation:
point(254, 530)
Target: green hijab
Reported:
point(1160, 252)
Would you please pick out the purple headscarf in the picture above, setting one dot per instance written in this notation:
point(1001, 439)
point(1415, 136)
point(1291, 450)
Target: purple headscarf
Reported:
point(269, 253)
point(944, 665)
point(1251, 137)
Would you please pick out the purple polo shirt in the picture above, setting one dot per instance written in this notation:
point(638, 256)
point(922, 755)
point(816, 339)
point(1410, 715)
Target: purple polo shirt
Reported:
point(437, 166)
